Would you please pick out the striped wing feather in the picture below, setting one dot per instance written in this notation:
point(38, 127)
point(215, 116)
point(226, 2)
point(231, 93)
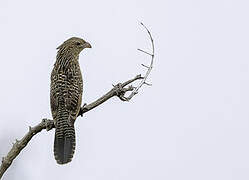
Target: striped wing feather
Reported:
point(65, 99)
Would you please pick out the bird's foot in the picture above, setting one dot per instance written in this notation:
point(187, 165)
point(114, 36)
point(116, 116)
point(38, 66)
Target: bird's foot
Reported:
point(81, 112)
point(49, 124)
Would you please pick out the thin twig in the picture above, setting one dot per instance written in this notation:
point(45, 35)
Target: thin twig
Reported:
point(145, 52)
point(145, 66)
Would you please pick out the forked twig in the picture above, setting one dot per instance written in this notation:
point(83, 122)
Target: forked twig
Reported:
point(149, 68)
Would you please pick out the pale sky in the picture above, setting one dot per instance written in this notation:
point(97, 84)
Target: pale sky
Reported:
point(192, 124)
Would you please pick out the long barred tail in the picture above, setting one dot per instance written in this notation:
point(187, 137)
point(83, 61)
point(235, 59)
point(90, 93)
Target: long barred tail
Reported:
point(64, 141)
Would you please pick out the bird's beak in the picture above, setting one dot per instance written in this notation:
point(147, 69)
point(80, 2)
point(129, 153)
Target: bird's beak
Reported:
point(87, 45)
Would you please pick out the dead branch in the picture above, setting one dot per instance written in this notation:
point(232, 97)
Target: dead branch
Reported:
point(20, 144)
point(149, 68)
point(118, 90)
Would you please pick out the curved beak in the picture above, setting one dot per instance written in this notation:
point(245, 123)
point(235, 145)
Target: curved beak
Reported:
point(87, 45)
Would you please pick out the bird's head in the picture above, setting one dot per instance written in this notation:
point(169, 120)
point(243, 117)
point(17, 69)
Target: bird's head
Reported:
point(74, 45)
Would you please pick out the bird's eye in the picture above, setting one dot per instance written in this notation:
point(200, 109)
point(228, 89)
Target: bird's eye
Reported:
point(77, 43)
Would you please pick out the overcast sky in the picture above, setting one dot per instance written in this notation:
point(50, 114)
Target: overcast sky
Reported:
point(192, 124)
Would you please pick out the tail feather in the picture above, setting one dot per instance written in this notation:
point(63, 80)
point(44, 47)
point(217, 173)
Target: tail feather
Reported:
point(64, 144)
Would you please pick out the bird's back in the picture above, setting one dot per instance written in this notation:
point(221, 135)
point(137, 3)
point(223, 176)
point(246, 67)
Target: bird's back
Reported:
point(65, 100)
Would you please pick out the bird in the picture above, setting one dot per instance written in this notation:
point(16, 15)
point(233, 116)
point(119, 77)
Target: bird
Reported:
point(66, 91)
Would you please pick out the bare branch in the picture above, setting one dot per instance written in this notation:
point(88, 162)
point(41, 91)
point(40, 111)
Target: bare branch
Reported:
point(149, 68)
point(19, 145)
point(118, 90)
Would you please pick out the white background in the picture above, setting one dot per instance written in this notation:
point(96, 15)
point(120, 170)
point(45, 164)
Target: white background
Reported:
point(192, 124)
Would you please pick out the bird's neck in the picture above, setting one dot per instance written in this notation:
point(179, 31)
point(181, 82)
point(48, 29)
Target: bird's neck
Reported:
point(65, 59)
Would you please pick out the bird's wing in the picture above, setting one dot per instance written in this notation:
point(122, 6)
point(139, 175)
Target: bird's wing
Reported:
point(66, 91)
point(74, 95)
point(54, 94)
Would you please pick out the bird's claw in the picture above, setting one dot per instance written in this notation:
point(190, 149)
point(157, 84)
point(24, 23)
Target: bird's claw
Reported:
point(81, 109)
point(49, 124)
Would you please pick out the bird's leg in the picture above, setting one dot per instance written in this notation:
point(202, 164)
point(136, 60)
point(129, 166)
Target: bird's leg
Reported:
point(81, 109)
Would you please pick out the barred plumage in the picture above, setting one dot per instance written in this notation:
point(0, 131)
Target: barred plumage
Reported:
point(66, 96)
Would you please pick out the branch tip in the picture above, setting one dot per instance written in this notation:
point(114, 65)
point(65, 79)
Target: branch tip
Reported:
point(145, 66)
point(145, 52)
point(138, 76)
point(148, 84)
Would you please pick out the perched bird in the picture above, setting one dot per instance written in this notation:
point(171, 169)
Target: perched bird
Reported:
point(66, 96)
